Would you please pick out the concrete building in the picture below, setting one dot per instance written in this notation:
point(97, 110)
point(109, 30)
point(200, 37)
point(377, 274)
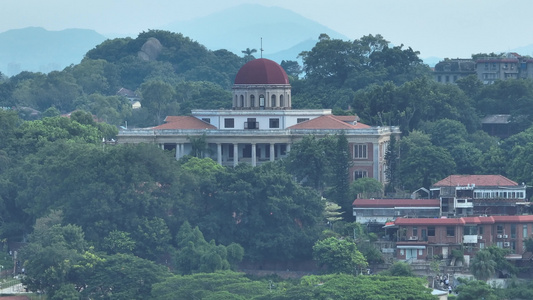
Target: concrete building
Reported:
point(380, 211)
point(479, 195)
point(262, 126)
point(487, 69)
point(450, 70)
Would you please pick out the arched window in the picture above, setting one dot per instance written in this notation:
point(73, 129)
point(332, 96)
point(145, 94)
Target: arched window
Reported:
point(252, 101)
point(281, 104)
point(273, 101)
point(242, 101)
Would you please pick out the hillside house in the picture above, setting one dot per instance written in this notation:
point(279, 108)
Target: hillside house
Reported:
point(479, 195)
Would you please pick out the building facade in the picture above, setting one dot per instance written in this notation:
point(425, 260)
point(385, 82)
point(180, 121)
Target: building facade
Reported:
point(262, 126)
point(487, 69)
point(423, 238)
point(380, 211)
point(451, 70)
point(480, 195)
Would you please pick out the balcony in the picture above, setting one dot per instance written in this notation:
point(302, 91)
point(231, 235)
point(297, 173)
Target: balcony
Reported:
point(464, 203)
point(470, 239)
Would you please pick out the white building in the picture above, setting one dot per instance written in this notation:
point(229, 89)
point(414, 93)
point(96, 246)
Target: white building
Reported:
point(261, 126)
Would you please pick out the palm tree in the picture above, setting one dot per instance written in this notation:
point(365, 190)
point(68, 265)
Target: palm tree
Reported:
point(483, 265)
point(248, 54)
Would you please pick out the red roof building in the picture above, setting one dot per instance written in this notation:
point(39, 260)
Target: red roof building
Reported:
point(422, 238)
point(262, 126)
point(477, 195)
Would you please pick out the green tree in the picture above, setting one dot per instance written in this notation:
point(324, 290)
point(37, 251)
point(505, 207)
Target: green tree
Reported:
point(474, 290)
point(483, 265)
point(400, 268)
point(122, 276)
point(156, 97)
point(252, 206)
point(421, 162)
point(291, 67)
point(340, 256)
point(196, 255)
point(51, 255)
point(248, 54)
point(366, 188)
point(119, 242)
point(216, 285)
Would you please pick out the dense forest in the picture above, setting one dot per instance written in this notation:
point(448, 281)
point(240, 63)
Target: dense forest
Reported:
point(90, 212)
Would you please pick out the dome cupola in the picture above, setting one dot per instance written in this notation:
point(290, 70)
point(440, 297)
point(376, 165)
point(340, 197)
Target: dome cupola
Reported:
point(261, 84)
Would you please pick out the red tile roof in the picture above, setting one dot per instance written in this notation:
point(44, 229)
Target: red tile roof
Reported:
point(464, 220)
point(513, 219)
point(347, 118)
point(363, 203)
point(478, 180)
point(429, 221)
point(184, 122)
point(478, 220)
point(328, 122)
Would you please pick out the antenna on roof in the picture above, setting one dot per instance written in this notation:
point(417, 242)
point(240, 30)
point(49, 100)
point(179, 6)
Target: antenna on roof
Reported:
point(261, 48)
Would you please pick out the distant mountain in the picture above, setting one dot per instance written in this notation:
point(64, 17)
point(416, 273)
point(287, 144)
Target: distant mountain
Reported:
point(284, 33)
point(38, 50)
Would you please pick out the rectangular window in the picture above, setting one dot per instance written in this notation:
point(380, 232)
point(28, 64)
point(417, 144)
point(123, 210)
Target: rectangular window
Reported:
point(359, 151)
point(251, 124)
point(431, 231)
point(470, 230)
point(524, 231)
point(513, 231)
point(207, 120)
point(415, 231)
point(499, 229)
point(300, 120)
point(229, 123)
point(359, 174)
point(480, 230)
point(450, 231)
point(274, 123)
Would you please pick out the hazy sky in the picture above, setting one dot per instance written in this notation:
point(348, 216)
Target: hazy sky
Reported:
point(443, 28)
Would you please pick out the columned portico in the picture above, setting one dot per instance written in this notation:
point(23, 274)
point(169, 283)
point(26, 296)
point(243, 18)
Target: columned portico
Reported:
point(262, 125)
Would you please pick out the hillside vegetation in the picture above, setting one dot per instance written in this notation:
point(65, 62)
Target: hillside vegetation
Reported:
point(92, 213)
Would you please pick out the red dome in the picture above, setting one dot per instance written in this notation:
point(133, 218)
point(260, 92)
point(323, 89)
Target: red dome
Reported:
point(261, 71)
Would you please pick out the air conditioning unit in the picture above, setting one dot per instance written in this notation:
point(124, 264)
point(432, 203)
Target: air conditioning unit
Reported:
point(505, 236)
point(499, 236)
point(413, 238)
point(506, 244)
point(479, 237)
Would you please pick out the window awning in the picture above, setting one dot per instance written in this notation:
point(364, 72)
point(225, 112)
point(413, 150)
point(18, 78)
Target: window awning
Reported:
point(410, 247)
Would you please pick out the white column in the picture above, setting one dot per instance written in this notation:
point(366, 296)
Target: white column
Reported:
point(219, 153)
point(288, 147)
point(177, 151)
point(254, 162)
point(235, 154)
point(272, 152)
point(375, 160)
point(182, 150)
